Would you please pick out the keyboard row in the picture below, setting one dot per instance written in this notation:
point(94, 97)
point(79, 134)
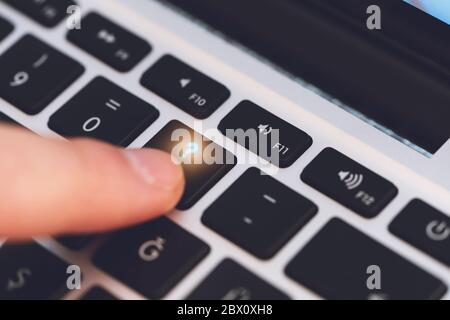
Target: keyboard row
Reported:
point(154, 257)
point(35, 74)
point(31, 61)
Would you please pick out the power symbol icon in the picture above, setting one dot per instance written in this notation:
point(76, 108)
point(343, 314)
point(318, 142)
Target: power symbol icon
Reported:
point(438, 231)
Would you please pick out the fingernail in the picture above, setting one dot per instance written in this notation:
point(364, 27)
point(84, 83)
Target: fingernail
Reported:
point(155, 168)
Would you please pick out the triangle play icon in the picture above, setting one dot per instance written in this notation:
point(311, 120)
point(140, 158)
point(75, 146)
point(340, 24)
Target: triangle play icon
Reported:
point(185, 82)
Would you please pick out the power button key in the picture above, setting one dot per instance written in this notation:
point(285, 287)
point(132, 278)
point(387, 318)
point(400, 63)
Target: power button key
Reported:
point(425, 228)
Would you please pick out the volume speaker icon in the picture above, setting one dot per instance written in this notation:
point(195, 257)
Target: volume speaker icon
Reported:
point(352, 181)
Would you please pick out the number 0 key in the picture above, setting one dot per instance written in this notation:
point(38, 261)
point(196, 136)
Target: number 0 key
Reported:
point(104, 111)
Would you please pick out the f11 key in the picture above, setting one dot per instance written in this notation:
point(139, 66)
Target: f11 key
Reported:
point(349, 183)
point(264, 134)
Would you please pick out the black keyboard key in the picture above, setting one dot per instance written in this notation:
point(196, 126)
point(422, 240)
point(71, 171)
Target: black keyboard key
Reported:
point(201, 170)
point(425, 228)
point(33, 74)
point(30, 272)
point(335, 265)
point(151, 258)
point(109, 42)
point(259, 214)
point(349, 183)
point(5, 28)
point(258, 134)
point(76, 242)
point(185, 87)
point(104, 111)
point(48, 13)
point(98, 294)
point(230, 281)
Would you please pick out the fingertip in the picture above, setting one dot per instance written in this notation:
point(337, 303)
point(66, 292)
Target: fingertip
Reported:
point(156, 168)
point(158, 186)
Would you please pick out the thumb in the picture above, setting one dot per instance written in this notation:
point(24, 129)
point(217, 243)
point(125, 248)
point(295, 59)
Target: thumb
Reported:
point(53, 187)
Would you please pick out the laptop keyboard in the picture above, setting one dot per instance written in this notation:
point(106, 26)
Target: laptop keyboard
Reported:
point(257, 213)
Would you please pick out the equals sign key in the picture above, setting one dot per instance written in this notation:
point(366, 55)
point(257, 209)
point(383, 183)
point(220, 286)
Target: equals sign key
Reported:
point(106, 112)
point(113, 104)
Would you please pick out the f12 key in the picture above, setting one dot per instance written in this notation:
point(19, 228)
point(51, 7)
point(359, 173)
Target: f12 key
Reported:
point(349, 183)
